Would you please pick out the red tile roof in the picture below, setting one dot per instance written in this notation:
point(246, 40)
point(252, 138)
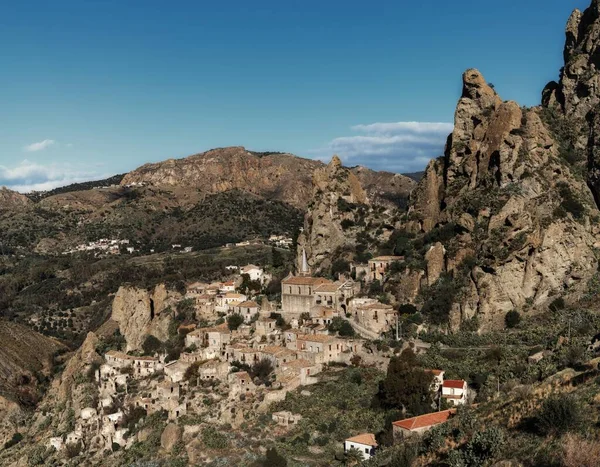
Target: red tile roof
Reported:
point(299, 280)
point(454, 383)
point(367, 439)
point(426, 420)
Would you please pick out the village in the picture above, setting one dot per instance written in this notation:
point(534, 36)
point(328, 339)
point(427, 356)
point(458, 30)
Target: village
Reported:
point(240, 356)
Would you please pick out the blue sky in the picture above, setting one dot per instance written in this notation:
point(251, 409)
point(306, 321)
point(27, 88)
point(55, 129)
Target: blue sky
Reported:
point(93, 88)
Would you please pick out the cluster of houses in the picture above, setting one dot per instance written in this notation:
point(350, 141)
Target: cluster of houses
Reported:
point(102, 246)
point(295, 341)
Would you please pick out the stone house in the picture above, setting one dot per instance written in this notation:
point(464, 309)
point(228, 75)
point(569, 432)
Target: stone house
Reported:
point(167, 390)
point(214, 370)
point(455, 391)
point(323, 315)
point(240, 383)
point(365, 444)
point(335, 295)
point(142, 366)
point(146, 366)
point(265, 326)
point(403, 429)
point(228, 286)
point(304, 369)
point(314, 328)
point(243, 354)
point(223, 301)
point(285, 418)
point(329, 347)
point(373, 315)
point(175, 370)
point(216, 337)
point(277, 355)
point(247, 309)
point(378, 267)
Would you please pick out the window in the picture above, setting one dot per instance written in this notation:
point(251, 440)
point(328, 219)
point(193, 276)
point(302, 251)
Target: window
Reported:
point(366, 451)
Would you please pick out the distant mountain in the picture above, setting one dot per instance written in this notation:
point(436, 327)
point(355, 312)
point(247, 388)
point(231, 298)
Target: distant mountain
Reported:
point(416, 176)
point(272, 175)
point(83, 186)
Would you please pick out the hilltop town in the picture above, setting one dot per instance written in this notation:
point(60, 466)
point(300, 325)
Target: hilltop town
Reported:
point(264, 310)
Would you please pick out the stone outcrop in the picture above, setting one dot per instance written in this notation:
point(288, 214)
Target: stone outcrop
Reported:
point(516, 208)
point(576, 96)
point(139, 313)
point(171, 435)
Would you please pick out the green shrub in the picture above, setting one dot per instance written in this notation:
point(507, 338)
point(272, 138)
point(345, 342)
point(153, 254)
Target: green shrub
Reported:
point(559, 414)
point(512, 318)
point(151, 345)
point(214, 439)
point(16, 438)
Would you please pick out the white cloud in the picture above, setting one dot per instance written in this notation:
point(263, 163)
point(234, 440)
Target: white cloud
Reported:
point(39, 146)
point(394, 146)
point(31, 176)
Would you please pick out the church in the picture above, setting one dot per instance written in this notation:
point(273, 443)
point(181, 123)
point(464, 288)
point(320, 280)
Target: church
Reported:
point(305, 294)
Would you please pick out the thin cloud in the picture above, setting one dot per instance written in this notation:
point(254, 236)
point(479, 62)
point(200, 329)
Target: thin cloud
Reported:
point(30, 176)
point(39, 146)
point(393, 146)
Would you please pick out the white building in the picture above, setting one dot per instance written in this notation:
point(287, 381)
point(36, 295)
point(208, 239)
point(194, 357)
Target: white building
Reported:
point(455, 391)
point(364, 443)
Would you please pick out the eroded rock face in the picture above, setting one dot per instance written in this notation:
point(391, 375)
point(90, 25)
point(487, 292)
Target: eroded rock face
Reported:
point(503, 186)
point(138, 313)
point(576, 96)
point(323, 231)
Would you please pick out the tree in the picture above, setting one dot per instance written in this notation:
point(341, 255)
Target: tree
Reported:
point(512, 319)
point(261, 370)
point(234, 321)
point(353, 457)
point(277, 259)
point(151, 345)
point(274, 459)
point(406, 385)
point(341, 326)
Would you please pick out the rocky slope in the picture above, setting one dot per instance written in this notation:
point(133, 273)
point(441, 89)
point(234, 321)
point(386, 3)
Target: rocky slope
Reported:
point(518, 209)
point(278, 176)
point(343, 218)
point(12, 200)
point(25, 358)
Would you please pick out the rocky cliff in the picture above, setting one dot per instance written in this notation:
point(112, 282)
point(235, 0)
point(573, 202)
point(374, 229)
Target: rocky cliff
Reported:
point(344, 219)
point(139, 313)
point(575, 98)
point(520, 213)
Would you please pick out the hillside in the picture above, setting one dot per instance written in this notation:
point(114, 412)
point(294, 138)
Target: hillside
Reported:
point(26, 361)
point(276, 176)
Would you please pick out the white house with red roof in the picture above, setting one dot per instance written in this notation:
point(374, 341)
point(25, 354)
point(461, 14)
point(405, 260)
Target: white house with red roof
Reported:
point(364, 443)
point(455, 391)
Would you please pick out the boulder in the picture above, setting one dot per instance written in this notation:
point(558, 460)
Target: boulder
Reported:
point(171, 435)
